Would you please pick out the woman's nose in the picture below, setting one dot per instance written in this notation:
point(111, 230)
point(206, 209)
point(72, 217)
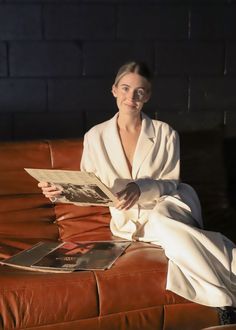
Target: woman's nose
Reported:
point(131, 95)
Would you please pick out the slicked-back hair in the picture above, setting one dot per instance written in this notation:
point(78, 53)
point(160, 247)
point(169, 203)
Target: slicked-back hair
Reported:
point(134, 67)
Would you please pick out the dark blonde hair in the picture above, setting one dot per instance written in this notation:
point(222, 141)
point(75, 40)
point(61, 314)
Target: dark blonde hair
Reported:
point(134, 67)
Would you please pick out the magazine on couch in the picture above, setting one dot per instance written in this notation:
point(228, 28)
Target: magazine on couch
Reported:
point(67, 257)
point(80, 188)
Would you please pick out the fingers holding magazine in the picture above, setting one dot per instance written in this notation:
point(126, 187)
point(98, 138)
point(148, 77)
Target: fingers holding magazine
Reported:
point(76, 187)
point(50, 190)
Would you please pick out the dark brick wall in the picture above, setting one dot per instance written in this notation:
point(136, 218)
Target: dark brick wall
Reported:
point(58, 59)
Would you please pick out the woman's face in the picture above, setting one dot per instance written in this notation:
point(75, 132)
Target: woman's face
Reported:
point(131, 92)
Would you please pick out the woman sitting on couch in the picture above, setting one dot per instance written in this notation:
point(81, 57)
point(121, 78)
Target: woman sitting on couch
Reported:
point(138, 159)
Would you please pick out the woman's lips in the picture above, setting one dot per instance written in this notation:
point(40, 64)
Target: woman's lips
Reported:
point(130, 104)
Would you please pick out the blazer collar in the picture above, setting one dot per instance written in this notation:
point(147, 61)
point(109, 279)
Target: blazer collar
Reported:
point(115, 150)
point(144, 144)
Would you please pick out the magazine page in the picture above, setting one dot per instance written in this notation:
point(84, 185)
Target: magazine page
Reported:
point(80, 188)
point(98, 255)
point(64, 257)
point(26, 258)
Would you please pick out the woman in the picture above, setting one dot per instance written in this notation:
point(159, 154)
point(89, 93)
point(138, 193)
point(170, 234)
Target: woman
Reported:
point(138, 158)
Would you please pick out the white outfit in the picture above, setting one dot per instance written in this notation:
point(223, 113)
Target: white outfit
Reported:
point(202, 264)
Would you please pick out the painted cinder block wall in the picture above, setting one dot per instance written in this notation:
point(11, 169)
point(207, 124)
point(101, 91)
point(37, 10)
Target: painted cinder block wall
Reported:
point(58, 60)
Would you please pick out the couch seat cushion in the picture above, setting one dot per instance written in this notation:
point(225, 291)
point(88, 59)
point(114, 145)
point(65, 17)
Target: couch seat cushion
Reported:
point(33, 299)
point(136, 281)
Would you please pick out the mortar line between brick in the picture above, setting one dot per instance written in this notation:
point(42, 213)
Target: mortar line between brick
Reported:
point(43, 22)
point(116, 17)
point(7, 60)
point(225, 59)
point(189, 94)
point(189, 23)
point(47, 94)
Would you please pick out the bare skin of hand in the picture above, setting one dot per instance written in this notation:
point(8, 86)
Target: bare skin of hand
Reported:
point(128, 196)
point(49, 191)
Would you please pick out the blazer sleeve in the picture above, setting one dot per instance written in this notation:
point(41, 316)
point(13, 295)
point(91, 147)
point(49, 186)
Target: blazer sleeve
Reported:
point(152, 188)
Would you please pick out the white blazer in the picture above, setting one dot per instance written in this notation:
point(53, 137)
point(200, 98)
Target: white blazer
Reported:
point(155, 169)
point(202, 264)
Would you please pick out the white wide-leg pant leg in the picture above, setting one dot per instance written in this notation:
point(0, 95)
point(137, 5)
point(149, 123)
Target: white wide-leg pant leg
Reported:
point(201, 263)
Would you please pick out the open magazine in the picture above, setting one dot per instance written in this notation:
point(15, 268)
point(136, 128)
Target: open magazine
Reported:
point(67, 257)
point(80, 188)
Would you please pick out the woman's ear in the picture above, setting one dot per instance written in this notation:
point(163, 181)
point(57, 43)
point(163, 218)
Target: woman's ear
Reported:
point(114, 90)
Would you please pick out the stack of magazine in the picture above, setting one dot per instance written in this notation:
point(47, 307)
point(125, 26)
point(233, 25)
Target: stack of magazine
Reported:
point(80, 188)
point(68, 256)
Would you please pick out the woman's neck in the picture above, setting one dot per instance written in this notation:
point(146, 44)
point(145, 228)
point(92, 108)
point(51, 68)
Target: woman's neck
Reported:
point(129, 123)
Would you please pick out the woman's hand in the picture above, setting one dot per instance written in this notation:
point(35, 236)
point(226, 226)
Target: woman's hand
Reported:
point(50, 191)
point(128, 196)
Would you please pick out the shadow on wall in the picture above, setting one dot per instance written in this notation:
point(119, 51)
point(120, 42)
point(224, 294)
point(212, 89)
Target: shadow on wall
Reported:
point(208, 165)
point(230, 166)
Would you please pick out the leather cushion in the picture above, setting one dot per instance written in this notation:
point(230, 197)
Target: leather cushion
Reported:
point(83, 222)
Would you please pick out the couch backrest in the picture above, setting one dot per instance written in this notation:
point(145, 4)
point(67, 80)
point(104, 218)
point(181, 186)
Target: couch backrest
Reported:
point(23, 209)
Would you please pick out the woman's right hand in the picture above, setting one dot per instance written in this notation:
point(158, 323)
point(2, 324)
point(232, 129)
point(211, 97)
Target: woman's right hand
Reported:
point(128, 196)
point(50, 190)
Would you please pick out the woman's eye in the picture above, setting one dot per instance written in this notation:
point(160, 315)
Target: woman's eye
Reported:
point(140, 92)
point(125, 89)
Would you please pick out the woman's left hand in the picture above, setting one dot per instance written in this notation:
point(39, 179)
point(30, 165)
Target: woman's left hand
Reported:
point(128, 196)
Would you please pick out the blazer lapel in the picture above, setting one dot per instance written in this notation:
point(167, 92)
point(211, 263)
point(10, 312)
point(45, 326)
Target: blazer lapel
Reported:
point(144, 144)
point(114, 148)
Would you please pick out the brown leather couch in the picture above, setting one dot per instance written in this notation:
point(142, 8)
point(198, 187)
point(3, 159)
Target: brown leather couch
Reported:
point(222, 327)
point(129, 296)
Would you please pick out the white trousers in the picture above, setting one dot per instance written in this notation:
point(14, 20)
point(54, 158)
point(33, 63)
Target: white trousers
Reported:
point(202, 264)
